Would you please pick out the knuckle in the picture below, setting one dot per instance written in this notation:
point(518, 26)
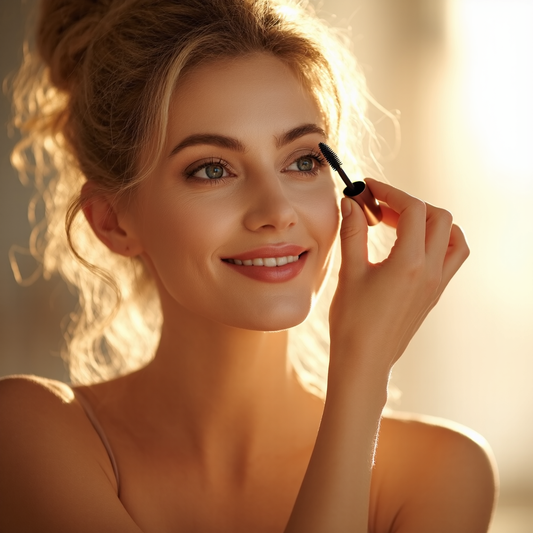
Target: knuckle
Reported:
point(418, 207)
point(440, 216)
point(465, 250)
point(461, 244)
point(445, 216)
point(348, 233)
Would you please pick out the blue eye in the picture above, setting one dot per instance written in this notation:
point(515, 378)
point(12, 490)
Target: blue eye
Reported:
point(208, 171)
point(214, 171)
point(306, 164)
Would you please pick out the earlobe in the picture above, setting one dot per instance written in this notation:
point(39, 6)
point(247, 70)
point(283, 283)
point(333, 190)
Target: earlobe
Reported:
point(105, 222)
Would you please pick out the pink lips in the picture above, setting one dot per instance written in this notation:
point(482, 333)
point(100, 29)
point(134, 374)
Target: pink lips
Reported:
point(275, 274)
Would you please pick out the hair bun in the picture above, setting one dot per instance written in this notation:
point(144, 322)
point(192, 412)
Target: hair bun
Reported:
point(65, 30)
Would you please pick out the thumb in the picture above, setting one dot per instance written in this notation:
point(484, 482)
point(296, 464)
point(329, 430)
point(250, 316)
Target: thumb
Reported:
point(354, 237)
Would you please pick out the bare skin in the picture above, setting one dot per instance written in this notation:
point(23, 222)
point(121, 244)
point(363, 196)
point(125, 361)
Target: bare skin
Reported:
point(216, 434)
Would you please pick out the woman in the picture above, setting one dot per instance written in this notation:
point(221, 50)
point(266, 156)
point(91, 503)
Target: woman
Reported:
point(181, 138)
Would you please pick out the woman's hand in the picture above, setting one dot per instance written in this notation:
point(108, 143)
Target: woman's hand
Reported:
point(377, 308)
point(375, 312)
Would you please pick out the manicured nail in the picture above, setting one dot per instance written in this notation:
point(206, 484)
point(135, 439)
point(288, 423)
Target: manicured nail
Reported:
point(346, 207)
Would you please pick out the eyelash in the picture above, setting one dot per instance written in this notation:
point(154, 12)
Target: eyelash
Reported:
point(316, 156)
point(224, 164)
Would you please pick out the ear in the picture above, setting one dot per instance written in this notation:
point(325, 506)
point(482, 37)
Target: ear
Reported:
point(105, 221)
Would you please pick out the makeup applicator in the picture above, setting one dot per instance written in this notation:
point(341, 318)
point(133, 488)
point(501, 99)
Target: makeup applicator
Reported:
point(356, 190)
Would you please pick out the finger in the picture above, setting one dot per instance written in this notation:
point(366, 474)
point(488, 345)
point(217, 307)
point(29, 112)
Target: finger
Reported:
point(438, 227)
point(411, 223)
point(354, 238)
point(390, 217)
point(456, 254)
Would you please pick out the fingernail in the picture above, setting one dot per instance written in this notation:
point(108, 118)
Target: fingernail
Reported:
point(346, 207)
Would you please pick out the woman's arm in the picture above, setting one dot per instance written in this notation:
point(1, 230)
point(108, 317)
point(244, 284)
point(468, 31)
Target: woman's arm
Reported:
point(375, 312)
point(54, 473)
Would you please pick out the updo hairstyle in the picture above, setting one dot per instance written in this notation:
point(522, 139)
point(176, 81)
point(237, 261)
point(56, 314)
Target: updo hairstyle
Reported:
point(92, 103)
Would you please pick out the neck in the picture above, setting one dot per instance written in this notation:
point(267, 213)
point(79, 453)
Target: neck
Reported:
point(229, 389)
point(227, 365)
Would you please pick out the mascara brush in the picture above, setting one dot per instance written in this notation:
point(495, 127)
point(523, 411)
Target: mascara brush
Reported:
point(356, 190)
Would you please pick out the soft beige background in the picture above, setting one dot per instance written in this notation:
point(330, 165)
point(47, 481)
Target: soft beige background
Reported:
point(461, 74)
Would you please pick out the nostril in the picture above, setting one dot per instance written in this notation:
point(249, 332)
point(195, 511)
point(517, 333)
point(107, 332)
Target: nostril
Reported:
point(272, 210)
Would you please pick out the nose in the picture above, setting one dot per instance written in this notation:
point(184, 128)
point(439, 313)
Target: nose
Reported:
point(269, 207)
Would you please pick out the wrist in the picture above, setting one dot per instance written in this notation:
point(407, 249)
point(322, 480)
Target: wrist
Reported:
point(368, 367)
point(358, 387)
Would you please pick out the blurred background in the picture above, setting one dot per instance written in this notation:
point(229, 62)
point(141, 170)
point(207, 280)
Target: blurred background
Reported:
point(460, 73)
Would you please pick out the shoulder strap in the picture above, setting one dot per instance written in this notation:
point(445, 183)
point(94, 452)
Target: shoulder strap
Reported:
point(100, 431)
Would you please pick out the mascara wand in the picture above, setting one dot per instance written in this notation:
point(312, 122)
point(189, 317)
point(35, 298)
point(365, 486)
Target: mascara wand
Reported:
point(356, 190)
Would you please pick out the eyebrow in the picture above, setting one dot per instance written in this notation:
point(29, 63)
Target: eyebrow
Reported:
point(211, 139)
point(299, 131)
point(234, 144)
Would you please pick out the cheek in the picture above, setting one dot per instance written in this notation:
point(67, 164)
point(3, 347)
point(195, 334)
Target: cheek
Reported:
point(322, 213)
point(183, 239)
point(180, 237)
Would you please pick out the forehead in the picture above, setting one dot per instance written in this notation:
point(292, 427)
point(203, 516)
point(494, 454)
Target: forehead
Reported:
point(241, 97)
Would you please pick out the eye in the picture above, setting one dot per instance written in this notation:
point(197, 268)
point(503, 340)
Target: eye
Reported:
point(307, 164)
point(212, 171)
point(208, 170)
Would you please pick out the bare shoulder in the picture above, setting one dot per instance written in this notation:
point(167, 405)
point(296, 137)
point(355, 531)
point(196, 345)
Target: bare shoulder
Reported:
point(24, 387)
point(437, 475)
point(54, 473)
point(29, 403)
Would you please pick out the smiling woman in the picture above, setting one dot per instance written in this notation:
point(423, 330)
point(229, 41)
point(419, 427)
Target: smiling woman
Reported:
point(179, 140)
point(255, 189)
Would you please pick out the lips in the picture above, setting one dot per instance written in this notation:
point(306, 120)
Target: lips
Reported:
point(273, 250)
point(266, 261)
point(275, 263)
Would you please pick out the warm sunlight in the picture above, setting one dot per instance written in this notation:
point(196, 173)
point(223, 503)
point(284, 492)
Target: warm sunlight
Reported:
point(494, 41)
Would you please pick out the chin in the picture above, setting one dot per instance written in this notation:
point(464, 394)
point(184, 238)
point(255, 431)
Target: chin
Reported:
point(279, 319)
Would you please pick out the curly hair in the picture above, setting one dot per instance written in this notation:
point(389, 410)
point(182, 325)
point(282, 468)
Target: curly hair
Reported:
point(92, 103)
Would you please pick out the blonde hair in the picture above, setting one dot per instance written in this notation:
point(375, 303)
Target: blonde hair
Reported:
point(96, 94)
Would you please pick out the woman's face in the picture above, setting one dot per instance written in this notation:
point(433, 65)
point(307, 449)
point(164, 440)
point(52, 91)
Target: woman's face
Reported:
point(241, 179)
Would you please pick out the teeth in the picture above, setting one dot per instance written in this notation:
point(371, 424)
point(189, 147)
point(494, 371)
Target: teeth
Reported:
point(265, 261)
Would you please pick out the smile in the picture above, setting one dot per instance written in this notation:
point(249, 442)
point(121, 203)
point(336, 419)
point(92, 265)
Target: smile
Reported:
point(265, 261)
point(287, 266)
